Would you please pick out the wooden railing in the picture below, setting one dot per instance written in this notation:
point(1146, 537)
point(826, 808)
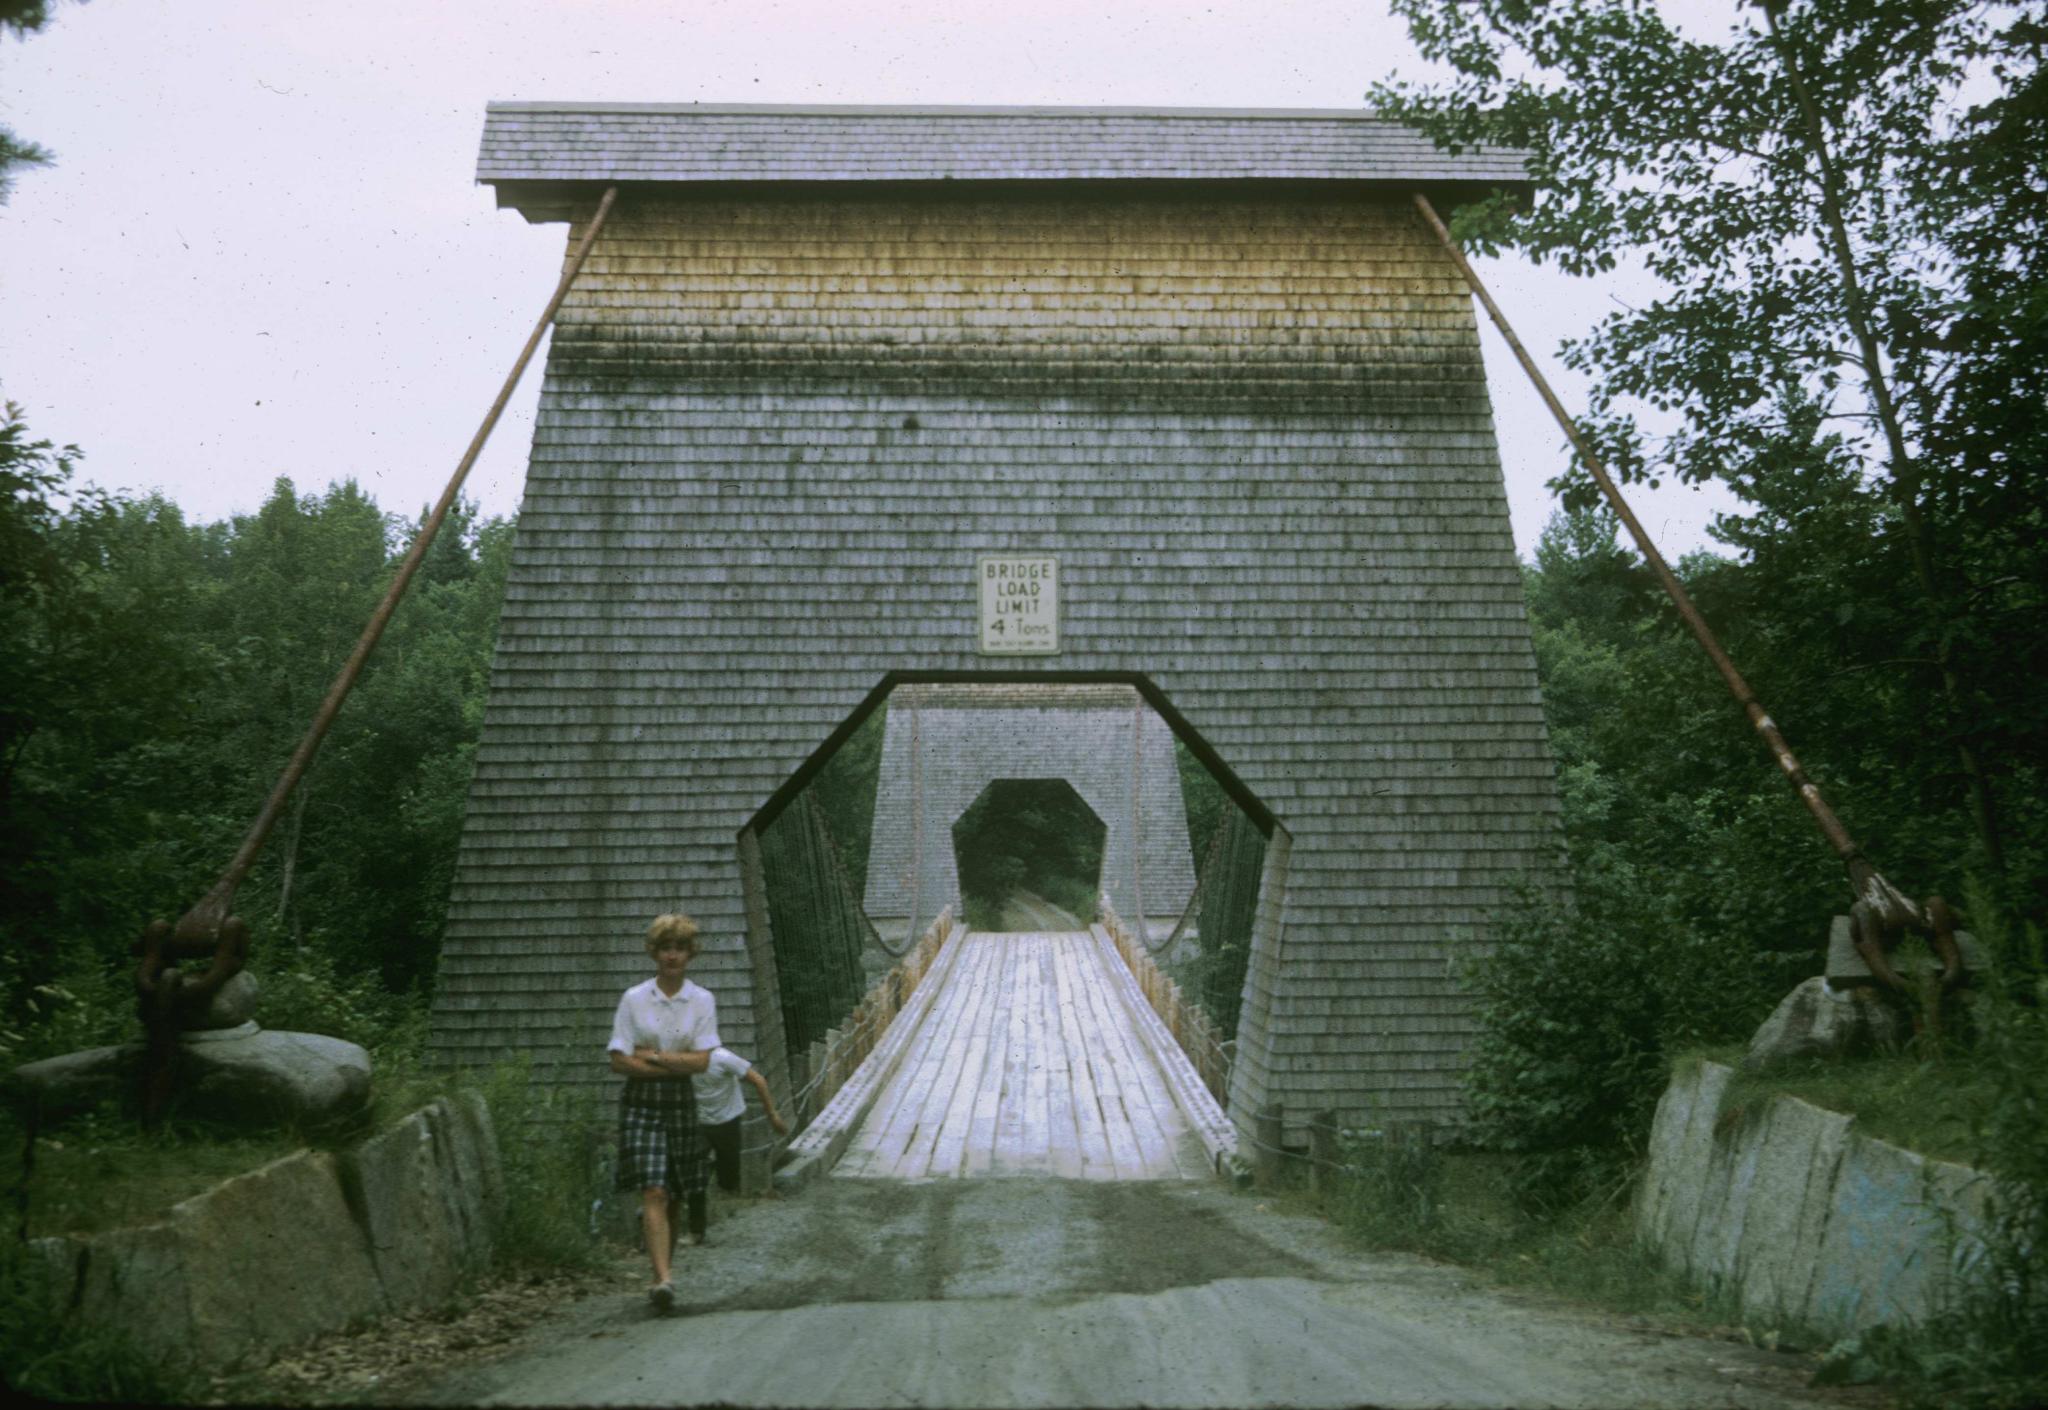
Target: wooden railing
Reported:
point(820, 1071)
point(1193, 1029)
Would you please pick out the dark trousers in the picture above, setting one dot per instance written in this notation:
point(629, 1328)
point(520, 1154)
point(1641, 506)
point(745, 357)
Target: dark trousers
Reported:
point(723, 1143)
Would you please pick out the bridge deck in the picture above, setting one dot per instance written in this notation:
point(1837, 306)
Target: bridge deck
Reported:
point(1027, 1063)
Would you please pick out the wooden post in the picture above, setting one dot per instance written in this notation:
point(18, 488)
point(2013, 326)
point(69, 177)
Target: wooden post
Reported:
point(1322, 1151)
point(1267, 1129)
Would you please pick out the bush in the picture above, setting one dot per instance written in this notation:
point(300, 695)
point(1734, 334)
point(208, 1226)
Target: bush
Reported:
point(47, 1356)
point(1580, 1006)
point(304, 991)
point(85, 1005)
point(552, 1145)
point(1990, 1348)
point(1389, 1186)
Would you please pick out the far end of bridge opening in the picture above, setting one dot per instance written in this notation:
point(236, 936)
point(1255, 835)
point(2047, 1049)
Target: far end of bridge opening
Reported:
point(1082, 817)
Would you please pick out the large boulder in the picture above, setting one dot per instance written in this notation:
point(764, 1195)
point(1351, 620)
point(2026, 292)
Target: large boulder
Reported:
point(302, 1246)
point(424, 1200)
point(265, 1260)
point(64, 1086)
point(250, 1074)
point(1818, 1020)
point(232, 1005)
point(239, 1076)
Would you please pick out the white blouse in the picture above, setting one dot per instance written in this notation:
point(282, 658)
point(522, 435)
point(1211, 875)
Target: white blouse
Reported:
point(684, 1022)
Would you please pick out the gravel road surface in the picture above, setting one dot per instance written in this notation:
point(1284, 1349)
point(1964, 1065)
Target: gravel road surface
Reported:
point(1040, 1292)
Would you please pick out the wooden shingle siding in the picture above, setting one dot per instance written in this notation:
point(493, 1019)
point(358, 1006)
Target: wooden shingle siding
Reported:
point(944, 744)
point(779, 427)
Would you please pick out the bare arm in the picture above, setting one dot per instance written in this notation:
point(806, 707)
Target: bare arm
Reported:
point(760, 1084)
point(674, 1064)
point(632, 1065)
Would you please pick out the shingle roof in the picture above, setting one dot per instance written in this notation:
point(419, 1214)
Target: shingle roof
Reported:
point(632, 142)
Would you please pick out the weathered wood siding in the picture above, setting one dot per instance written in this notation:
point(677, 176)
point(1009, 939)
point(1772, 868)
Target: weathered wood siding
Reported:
point(944, 745)
point(780, 424)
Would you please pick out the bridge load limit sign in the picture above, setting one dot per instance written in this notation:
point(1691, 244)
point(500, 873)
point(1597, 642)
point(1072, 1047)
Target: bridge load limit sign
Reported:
point(1020, 606)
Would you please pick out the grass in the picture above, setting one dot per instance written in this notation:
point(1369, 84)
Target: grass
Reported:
point(1934, 1108)
point(1460, 1205)
point(45, 1355)
point(100, 1172)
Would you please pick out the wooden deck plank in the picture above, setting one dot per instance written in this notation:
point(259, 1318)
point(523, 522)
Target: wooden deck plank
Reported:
point(1007, 1155)
point(948, 1067)
point(1038, 1073)
point(1067, 1158)
point(1108, 1077)
point(1173, 1151)
point(1162, 1111)
point(1096, 1161)
point(887, 1132)
point(979, 1154)
point(1028, 1062)
point(1141, 1083)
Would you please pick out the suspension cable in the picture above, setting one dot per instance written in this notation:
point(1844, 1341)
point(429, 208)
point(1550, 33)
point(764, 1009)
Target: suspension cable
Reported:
point(207, 915)
point(1863, 877)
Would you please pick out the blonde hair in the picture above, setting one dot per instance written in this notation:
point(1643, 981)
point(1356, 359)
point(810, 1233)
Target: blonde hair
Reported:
point(675, 927)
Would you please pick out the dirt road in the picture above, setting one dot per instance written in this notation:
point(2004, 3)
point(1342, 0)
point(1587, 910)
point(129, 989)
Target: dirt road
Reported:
point(1031, 1292)
point(1027, 910)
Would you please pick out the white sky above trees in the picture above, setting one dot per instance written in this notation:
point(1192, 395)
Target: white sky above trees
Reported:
point(261, 251)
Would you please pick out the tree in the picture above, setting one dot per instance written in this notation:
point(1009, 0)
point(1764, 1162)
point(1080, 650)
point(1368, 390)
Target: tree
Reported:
point(19, 18)
point(1835, 311)
point(158, 676)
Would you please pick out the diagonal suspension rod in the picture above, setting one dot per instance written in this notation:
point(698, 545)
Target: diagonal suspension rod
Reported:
point(1864, 880)
point(203, 921)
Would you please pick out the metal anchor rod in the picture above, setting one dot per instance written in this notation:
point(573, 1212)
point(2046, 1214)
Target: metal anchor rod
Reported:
point(1864, 879)
point(205, 917)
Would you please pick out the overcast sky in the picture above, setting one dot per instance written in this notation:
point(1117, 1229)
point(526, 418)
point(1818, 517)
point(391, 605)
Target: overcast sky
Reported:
point(261, 250)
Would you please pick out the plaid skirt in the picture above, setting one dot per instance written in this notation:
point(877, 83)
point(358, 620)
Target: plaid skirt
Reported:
point(658, 1144)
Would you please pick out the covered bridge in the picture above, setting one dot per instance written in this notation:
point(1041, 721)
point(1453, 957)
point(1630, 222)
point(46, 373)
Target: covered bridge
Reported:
point(946, 744)
point(825, 362)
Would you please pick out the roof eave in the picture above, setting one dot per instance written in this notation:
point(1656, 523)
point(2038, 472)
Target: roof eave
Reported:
point(549, 201)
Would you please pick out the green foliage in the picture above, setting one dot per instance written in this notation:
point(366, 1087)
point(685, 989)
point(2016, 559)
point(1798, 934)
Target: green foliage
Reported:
point(845, 789)
point(307, 992)
point(550, 1141)
point(101, 1171)
point(1390, 1187)
point(1935, 1108)
point(1841, 198)
point(46, 1356)
point(87, 1006)
point(820, 930)
point(1580, 1007)
point(1028, 835)
point(20, 18)
point(1697, 892)
point(1990, 1347)
point(159, 675)
point(1465, 1205)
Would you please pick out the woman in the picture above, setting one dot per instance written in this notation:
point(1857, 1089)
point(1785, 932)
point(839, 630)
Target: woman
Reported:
point(661, 1034)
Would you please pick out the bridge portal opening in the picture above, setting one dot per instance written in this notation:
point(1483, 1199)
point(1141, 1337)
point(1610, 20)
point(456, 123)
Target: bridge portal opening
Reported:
point(1039, 804)
point(1029, 856)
